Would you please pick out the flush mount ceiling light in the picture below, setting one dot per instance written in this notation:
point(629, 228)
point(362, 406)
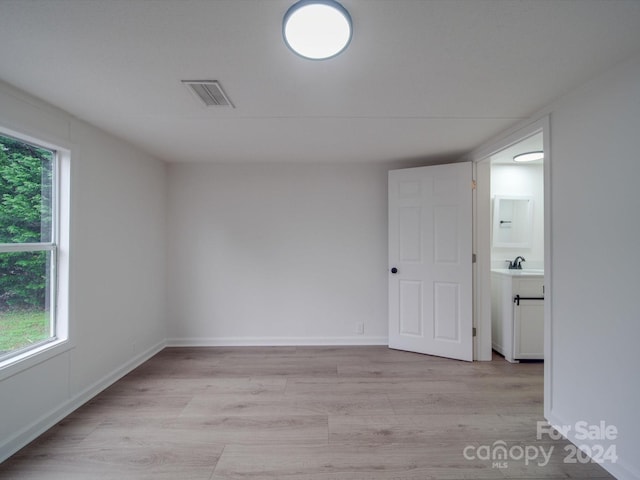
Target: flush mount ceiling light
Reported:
point(529, 156)
point(317, 29)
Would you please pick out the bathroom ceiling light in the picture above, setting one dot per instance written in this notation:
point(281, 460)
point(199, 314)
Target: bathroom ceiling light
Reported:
point(529, 156)
point(317, 29)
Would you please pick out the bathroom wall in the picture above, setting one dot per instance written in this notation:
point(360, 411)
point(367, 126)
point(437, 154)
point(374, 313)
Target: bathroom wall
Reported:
point(519, 180)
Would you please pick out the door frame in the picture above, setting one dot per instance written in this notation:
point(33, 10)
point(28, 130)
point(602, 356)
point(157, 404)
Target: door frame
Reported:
point(482, 239)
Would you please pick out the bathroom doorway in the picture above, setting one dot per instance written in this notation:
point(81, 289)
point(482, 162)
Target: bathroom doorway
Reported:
point(501, 152)
point(517, 250)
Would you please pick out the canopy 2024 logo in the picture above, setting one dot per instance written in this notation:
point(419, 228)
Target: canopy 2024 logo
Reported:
point(500, 453)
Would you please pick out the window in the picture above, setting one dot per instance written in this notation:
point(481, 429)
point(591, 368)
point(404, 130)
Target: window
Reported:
point(28, 246)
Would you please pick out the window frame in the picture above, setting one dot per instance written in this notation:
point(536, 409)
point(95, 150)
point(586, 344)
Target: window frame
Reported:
point(59, 339)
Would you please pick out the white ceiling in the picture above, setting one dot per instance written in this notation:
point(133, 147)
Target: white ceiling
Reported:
point(420, 80)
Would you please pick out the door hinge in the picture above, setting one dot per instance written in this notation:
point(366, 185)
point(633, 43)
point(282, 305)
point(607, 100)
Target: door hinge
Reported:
point(474, 332)
point(473, 258)
point(474, 184)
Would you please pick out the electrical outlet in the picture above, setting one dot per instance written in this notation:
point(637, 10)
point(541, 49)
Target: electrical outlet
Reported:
point(360, 328)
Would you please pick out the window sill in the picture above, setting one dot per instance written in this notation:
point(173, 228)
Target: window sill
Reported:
point(29, 359)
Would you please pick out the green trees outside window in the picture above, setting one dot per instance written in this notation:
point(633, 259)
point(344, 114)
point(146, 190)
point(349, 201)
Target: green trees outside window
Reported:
point(26, 243)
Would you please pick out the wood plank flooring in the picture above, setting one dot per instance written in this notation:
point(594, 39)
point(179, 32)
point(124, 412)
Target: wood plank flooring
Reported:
point(302, 413)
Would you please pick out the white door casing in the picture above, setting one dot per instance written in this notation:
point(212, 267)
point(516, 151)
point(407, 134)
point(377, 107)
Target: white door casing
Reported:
point(430, 248)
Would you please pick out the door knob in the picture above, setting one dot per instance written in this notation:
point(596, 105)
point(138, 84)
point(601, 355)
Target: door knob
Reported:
point(394, 270)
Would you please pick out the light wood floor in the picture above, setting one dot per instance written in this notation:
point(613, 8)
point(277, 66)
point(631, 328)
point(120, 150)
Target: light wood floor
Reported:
point(301, 413)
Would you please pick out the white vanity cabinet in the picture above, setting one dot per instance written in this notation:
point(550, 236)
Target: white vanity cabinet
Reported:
point(517, 314)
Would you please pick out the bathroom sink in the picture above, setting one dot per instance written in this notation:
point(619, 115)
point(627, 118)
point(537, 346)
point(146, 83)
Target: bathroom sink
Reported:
point(524, 271)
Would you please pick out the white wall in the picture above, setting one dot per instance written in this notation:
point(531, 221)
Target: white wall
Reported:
point(277, 254)
point(117, 262)
point(521, 180)
point(595, 233)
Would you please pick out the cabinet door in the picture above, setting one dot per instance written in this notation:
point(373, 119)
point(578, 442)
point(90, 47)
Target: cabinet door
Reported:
point(528, 330)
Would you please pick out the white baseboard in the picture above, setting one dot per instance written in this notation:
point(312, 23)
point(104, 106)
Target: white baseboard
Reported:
point(620, 469)
point(29, 433)
point(274, 341)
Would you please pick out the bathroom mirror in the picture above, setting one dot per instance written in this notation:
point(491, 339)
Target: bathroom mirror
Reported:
point(512, 221)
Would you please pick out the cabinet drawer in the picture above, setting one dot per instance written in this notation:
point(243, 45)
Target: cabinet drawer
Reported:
point(528, 287)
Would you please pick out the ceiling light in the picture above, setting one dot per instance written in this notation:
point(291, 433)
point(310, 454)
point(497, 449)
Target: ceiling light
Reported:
point(317, 29)
point(529, 156)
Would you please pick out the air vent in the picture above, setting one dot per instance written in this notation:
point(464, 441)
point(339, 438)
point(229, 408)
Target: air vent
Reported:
point(210, 92)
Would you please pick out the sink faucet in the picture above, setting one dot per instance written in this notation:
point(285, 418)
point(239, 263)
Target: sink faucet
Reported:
point(517, 263)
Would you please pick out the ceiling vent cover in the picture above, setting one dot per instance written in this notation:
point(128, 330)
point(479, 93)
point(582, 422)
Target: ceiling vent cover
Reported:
point(210, 92)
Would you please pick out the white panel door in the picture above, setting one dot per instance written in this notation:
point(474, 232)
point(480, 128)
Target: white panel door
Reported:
point(430, 269)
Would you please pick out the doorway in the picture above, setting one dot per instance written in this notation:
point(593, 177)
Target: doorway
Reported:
point(517, 250)
point(537, 131)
